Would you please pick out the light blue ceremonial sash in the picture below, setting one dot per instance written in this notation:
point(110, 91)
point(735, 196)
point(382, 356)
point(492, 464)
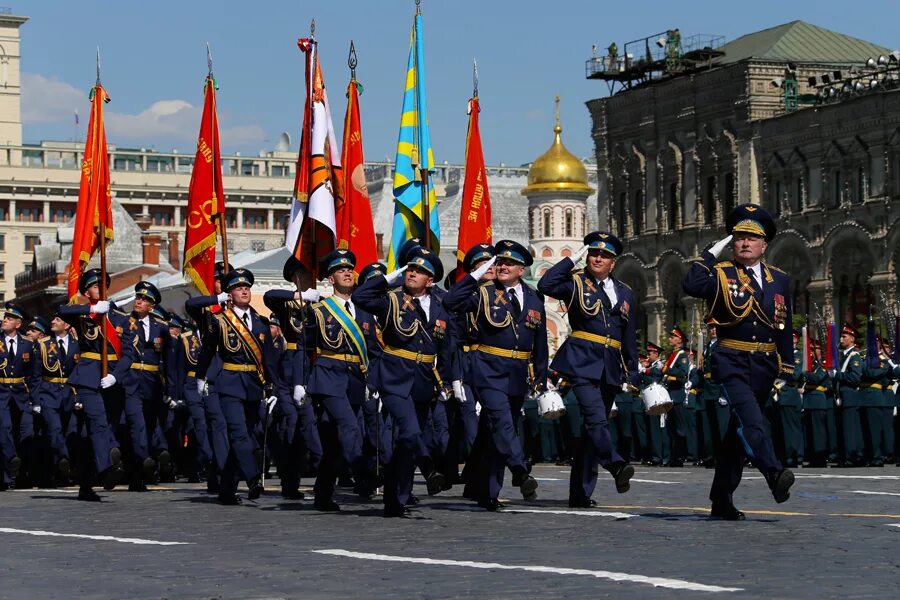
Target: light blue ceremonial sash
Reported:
point(350, 327)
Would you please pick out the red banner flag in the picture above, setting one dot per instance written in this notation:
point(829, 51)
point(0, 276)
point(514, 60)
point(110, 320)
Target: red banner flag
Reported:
point(475, 214)
point(355, 228)
point(206, 198)
point(311, 231)
point(94, 210)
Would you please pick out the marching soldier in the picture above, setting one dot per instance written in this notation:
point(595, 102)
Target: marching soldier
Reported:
point(675, 374)
point(414, 364)
point(185, 356)
point(875, 378)
point(94, 392)
point(749, 302)
point(657, 432)
point(53, 399)
point(847, 377)
point(700, 445)
point(508, 362)
point(297, 431)
point(598, 357)
point(787, 401)
point(16, 381)
point(145, 412)
point(717, 411)
point(248, 378)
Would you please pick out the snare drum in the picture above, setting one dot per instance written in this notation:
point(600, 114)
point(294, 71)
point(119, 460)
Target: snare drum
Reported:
point(656, 399)
point(550, 405)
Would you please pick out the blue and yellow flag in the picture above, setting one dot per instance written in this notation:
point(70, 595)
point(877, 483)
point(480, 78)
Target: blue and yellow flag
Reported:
point(413, 154)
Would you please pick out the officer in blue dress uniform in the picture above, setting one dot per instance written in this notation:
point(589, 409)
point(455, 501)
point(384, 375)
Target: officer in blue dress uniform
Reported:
point(95, 393)
point(598, 357)
point(53, 363)
point(248, 378)
point(297, 432)
point(509, 362)
point(145, 412)
point(750, 305)
point(414, 365)
point(202, 309)
point(16, 382)
point(184, 357)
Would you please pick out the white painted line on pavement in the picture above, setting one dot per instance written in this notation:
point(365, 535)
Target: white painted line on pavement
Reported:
point(675, 584)
point(893, 524)
point(48, 490)
point(549, 479)
point(657, 481)
point(103, 538)
point(875, 493)
point(584, 513)
point(829, 476)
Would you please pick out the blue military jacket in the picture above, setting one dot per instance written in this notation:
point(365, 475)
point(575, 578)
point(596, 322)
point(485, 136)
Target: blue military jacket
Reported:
point(18, 372)
point(331, 375)
point(403, 328)
point(495, 325)
point(589, 359)
point(52, 367)
point(203, 310)
point(293, 315)
point(150, 352)
point(92, 341)
point(249, 352)
point(745, 317)
point(186, 356)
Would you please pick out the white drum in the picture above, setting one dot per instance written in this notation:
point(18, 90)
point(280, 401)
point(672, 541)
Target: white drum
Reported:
point(550, 405)
point(656, 399)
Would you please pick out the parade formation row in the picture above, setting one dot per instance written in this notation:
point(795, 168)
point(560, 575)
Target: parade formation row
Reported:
point(393, 372)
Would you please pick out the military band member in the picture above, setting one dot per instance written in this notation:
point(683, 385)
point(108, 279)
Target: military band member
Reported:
point(750, 304)
point(598, 357)
point(657, 432)
point(96, 393)
point(509, 360)
point(413, 367)
point(847, 376)
point(248, 378)
point(675, 374)
point(16, 380)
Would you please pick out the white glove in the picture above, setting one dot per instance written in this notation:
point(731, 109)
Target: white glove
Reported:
point(299, 393)
point(624, 386)
point(442, 396)
point(478, 273)
point(779, 383)
point(201, 387)
point(837, 401)
point(723, 401)
point(717, 248)
point(393, 276)
point(172, 404)
point(895, 411)
point(36, 409)
point(688, 385)
point(108, 381)
point(222, 297)
point(576, 258)
point(270, 403)
point(832, 373)
point(551, 387)
point(892, 363)
point(101, 307)
point(459, 391)
point(310, 295)
point(79, 406)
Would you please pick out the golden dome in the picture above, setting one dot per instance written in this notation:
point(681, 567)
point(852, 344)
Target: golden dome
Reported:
point(557, 169)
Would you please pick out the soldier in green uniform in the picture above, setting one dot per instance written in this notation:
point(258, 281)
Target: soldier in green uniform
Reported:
point(847, 375)
point(787, 407)
point(876, 374)
point(816, 406)
point(675, 371)
point(658, 435)
point(623, 424)
point(717, 412)
point(700, 444)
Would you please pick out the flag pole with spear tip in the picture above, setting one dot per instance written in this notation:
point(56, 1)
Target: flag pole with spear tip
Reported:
point(423, 152)
point(104, 356)
point(221, 221)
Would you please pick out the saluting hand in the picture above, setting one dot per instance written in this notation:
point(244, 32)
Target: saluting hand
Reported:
point(223, 297)
point(717, 248)
point(310, 295)
point(393, 276)
point(478, 273)
point(101, 307)
point(576, 258)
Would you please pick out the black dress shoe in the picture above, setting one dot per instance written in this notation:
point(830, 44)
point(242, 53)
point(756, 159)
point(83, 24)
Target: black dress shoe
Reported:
point(112, 476)
point(293, 494)
point(623, 478)
point(528, 487)
point(435, 483)
point(490, 504)
point(392, 511)
point(86, 494)
point(149, 470)
point(229, 499)
point(15, 465)
point(782, 486)
point(582, 503)
point(256, 488)
point(726, 512)
point(327, 505)
point(413, 500)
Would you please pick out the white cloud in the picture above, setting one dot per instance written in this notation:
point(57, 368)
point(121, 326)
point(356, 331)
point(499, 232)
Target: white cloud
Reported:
point(165, 122)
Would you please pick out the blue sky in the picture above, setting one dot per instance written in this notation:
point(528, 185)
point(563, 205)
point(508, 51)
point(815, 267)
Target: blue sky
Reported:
point(154, 62)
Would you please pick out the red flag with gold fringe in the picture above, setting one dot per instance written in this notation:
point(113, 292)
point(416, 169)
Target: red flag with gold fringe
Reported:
point(475, 213)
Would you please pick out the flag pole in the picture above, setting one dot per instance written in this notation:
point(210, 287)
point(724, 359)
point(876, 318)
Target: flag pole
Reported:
point(423, 170)
point(309, 100)
point(220, 216)
point(104, 358)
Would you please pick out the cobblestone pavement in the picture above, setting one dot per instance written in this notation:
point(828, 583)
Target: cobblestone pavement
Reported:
point(838, 536)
